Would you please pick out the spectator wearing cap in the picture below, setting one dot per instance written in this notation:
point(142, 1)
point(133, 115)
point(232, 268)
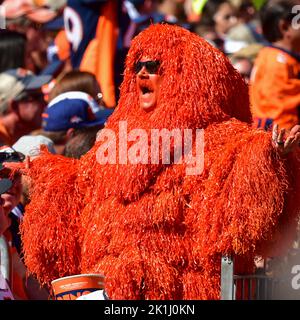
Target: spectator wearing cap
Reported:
point(26, 146)
point(21, 103)
point(5, 290)
point(5, 185)
point(10, 199)
point(30, 145)
point(72, 120)
point(22, 287)
point(13, 196)
point(16, 199)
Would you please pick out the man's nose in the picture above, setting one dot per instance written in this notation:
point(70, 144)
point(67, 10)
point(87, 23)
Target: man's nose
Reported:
point(143, 72)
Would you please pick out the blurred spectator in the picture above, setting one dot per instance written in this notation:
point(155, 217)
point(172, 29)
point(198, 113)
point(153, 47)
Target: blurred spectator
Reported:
point(36, 48)
point(18, 197)
point(250, 52)
point(246, 11)
point(10, 200)
point(12, 50)
point(243, 66)
point(275, 83)
point(193, 10)
point(13, 196)
point(244, 58)
point(76, 142)
point(5, 185)
point(5, 290)
point(55, 65)
point(141, 14)
point(90, 40)
point(218, 16)
point(21, 103)
point(247, 31)
point(72, 121)
point(30, 145)
point(23, 287)
point(174, 11)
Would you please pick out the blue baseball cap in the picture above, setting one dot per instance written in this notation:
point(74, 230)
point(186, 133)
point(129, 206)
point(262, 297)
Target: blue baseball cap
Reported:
point(29, 80)
point(74, 109)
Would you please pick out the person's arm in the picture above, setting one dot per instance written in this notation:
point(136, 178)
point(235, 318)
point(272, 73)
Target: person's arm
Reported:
point(49, 228)
point(248, 196)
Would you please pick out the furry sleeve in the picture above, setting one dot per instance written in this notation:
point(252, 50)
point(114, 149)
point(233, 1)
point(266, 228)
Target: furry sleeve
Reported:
point(244, 192)
point(49, 229)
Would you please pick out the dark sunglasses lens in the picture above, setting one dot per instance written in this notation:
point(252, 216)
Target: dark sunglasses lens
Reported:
point(138, 67)
point(11, 157)
point(3, 157)
point(152, 66)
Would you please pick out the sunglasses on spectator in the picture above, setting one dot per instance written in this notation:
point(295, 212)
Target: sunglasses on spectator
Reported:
point(151, 66)
point(8, 174)
point(11, 157)
point(31, 97)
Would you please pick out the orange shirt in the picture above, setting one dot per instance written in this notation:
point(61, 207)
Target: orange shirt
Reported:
point(275, 87)
point(5, 138)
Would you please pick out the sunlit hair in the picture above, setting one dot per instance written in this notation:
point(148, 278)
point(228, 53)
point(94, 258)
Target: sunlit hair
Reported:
point(75, 80)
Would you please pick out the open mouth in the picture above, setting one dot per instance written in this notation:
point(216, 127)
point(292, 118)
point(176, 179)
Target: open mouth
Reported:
point(147, 95)
point(145, 90)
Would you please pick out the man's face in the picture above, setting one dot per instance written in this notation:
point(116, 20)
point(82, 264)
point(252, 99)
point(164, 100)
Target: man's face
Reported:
point(12, 197)
point(225, 18)
point(148, 82)
point(30, 110)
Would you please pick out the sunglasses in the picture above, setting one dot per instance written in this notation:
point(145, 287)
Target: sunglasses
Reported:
point(151, 66)
point(11, 157)
point(26, 97)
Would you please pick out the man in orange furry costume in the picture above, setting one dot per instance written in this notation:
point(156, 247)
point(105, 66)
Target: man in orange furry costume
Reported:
point(152, 230)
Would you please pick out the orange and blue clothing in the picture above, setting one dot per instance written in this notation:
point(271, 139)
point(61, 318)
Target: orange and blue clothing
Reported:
point(89, 40)
point(275, 88)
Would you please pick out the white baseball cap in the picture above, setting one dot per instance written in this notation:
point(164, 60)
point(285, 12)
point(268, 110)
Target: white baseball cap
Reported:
point(30, 145)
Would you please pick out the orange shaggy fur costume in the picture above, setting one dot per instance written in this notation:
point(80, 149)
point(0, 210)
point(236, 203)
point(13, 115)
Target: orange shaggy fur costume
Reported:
point(155, 232)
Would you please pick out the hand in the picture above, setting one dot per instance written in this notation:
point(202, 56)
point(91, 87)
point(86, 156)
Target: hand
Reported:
point(289, 144)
